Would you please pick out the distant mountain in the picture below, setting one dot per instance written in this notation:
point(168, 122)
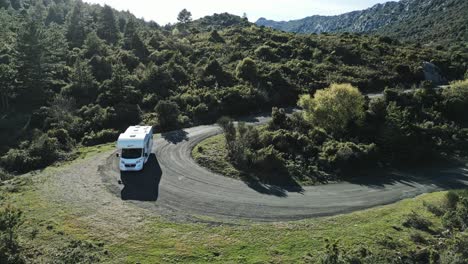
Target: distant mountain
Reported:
point(414, 20)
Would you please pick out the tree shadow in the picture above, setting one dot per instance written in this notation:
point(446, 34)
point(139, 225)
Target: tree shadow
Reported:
point(443, 177)
point(175, 137)
point(142, 185)
point(275, 188)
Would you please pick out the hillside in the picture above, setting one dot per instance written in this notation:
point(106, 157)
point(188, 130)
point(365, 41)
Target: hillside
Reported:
point(413, 20)
point(76, 74)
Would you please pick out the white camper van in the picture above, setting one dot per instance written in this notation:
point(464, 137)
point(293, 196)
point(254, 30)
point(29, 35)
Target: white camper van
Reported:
point(135, 147)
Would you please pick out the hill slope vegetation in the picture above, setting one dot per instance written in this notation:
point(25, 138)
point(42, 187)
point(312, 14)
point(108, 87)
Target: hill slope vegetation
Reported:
point(440, 21)
point(73, 73)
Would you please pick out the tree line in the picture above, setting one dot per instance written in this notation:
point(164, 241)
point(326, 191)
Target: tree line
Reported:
point(77, 74)
point(340, 132)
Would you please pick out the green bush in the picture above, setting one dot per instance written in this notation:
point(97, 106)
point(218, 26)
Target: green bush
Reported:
point(247, 70)
point(41, 152)
point(4, 175)
point(269, 160)
point(167, 113)
point(78, 252)
point(10, 221)
point(456, 100)
point(101, 137)
point(347, 155)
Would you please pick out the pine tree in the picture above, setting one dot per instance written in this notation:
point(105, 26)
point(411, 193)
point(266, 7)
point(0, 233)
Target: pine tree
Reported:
point(7, 77)
point(130, 31)
point(132, 41)
point(83, 86)
point(184, 16)
point(54, 15)
point(107, 27)
point(76, 26)
point(32, 71)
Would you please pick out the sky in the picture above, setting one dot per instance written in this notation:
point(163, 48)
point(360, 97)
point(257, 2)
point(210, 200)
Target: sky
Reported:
point(165, 11)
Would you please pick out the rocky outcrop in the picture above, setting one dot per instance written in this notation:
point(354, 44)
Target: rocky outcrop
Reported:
point(432, 73)
point(426, 20)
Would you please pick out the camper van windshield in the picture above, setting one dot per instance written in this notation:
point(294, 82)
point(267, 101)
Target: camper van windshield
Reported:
point(131, 153)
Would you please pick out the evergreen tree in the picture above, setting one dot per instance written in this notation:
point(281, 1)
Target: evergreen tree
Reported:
point(56, 51)
point(107, 27)
point(54, 15)
point(167, 113)
point(7, 77)
point(76, 26)
point(132, 41)
point(184, 16)
point(129, 32)
point(83, 86)
point(119, 88)
point(32, 73)
point(93, 45)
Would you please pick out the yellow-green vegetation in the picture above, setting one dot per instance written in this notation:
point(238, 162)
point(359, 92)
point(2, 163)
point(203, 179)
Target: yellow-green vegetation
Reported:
point(334, 107)
point(211, 153)
point(58, 230)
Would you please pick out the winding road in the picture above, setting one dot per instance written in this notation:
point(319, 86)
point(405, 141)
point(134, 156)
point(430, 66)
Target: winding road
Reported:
point(173, 184)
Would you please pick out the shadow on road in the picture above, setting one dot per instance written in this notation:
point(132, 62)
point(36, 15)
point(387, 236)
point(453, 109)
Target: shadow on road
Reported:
point(175, 137)
point(441, 177)
point(142, 185)
point(279, 189)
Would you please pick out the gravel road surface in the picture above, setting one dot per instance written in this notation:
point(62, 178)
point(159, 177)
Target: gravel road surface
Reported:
point(173, 184)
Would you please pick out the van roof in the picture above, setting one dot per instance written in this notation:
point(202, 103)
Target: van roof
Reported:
point(138, 130)
point(135, 133)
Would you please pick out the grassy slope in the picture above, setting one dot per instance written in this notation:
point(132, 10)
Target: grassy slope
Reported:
point(211, 153)
point(162, 240)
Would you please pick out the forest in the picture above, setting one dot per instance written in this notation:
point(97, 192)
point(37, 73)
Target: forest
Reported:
point(76, 74)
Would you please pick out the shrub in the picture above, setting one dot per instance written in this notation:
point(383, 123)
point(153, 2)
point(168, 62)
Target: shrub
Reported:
point(247, 70)
point(278, 119)
point(215, 37)
point(4, 175)
point(167, 113)
point(42, 151)
point(456, 100)
point(64, 139)
point(333, 108)
point(78, 252)
point(451, 200)
point(266, 53)
point(18, 160)
point(457, 218)
point(101, 137)
point(414, 220)
point(10, 220)
point(347, 155)
point(269, 160)
point(434, 209)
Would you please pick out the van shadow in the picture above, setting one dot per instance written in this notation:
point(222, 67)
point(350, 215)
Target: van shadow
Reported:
point(142, 185)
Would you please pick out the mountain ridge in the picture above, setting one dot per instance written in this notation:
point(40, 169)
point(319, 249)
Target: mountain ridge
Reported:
point(413, 20)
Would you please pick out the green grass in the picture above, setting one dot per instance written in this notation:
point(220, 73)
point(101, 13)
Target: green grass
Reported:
point(153, 239)
point(211, 153)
